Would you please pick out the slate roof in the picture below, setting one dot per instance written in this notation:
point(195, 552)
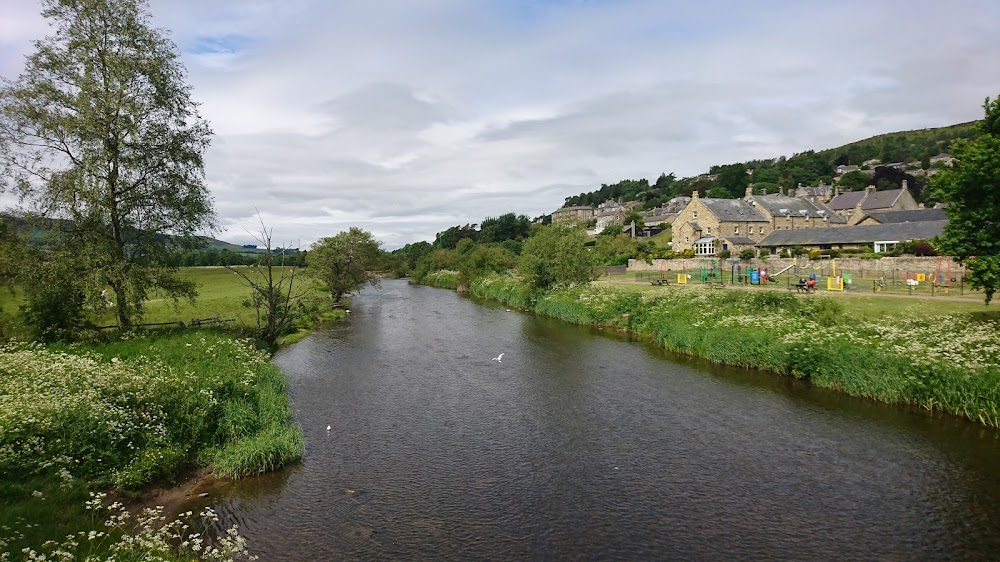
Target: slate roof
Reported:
point(881, 199)
point(734, 210)
point(846, 200)
point(875, 200)
point(918, 215)
point(786, 206)
point(854, 234)
point(739, 240)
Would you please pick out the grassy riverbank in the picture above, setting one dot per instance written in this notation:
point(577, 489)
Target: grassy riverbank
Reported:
point(941, 362)
point(120, 414)
point(127, 413)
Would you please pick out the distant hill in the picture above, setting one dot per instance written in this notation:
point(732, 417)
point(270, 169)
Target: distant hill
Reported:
point(37, 236)
point(808, 168)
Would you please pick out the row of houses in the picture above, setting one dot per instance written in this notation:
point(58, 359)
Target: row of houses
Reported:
point(811, 217)
point(879, 219)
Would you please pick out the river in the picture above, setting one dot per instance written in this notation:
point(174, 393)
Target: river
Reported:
point(585, 445)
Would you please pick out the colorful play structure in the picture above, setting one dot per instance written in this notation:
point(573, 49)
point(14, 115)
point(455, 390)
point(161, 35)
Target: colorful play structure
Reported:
point(825, 272)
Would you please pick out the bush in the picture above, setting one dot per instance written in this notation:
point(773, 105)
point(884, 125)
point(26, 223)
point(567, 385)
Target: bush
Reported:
point(54, 301)
point(747, 254)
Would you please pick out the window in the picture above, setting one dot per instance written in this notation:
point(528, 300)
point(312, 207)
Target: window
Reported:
point(686, 239)
point(709, 229)
point(736, 230)
point(694, 214)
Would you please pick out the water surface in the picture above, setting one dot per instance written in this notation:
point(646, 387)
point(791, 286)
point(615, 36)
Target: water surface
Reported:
point(583, 446)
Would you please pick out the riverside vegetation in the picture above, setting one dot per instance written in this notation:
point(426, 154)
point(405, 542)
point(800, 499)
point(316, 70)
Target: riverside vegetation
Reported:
point(947, 362)
point(123, 412)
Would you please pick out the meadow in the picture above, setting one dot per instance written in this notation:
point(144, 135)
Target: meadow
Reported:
point(120, 413)
point(940, 355)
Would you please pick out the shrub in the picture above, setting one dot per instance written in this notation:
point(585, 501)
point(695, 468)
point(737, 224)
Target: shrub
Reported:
point(54, 300)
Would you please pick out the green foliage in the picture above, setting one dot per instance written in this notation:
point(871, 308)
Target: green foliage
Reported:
point(484, 260)
point(854, 181)
point(505, 227)
point(615, 249)
point(101, 129)
point(442, 279)
point(747, 254)
point(344, 263)
point(971, 191)
point(54, 299)
point(555, 256)
point(112, 415)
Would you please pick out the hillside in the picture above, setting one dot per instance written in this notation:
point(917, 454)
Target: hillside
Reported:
point(807, 168)
point(37, 235)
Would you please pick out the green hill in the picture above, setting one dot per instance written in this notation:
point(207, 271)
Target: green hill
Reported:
point(807, 168)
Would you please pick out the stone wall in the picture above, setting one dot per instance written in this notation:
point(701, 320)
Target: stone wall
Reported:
point(864, 269)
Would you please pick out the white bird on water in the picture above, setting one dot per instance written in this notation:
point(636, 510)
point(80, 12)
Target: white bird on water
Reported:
point(498, 358)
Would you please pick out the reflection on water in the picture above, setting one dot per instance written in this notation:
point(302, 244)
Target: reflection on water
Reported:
point(580, 445)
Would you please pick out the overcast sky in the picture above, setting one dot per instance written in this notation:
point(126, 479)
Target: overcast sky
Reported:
point(405, 117)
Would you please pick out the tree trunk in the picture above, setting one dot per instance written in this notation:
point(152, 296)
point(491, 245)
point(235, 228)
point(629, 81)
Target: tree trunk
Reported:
point(121, 308)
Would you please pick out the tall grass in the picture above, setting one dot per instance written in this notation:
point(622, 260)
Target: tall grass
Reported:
point(949, 363)
point(129, 412)
point(443, 279)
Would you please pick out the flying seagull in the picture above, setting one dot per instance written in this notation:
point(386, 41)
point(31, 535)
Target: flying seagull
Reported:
point(498, 358)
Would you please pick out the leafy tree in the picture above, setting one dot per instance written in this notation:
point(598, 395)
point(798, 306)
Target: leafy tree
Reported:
point(855, 181)
point(344, 262)
point(101, 129)
point(505, 227)
point(555, 256)
point(615, 250)
point(971, 192)
point(54, 297)
point(482, 260)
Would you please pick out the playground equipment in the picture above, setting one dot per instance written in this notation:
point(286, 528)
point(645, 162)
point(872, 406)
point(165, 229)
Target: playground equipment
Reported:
point(709, 270)
point(942, 276)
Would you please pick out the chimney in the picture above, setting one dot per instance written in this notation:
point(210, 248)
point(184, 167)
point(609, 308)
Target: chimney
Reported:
point(836, 191)
point(869, 189)
point(904, 184)
point(749, 192)
point(694, 194)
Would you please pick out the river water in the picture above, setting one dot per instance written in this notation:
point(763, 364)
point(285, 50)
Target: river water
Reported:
point(584, 445)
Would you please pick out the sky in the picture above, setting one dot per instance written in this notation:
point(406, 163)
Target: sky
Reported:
point(406, 117)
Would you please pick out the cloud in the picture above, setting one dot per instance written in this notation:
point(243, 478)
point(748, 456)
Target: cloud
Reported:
point(406, 118)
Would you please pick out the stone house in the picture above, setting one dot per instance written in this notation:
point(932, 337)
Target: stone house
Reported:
point(569, 215)
point(710, 226)
point(821, 192)
point(855, 205)
point(615, 216)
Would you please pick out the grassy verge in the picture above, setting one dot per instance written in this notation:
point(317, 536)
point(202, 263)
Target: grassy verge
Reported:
point(945, 362)
point(127, 413)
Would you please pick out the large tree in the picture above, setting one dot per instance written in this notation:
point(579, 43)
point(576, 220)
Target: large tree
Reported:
point(100, 129)
point(344, 263)
point(971, 193)
point(556, 257)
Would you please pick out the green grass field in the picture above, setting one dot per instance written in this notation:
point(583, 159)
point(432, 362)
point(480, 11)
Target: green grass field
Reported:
point(220, 295)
